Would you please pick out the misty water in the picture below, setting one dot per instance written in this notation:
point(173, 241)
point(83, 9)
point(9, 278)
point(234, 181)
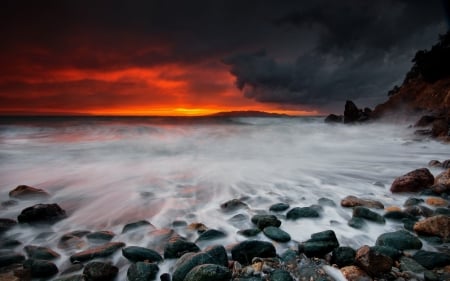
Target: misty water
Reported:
point(106, 172)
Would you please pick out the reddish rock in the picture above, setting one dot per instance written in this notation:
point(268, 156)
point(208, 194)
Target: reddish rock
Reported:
point(372, 261)
point(353, 201)
point(435, 163)
point(413, 181)
point(436, 226)
point(26, 192)
point(97, 252)
point(440, 188)
point(354, 273)
point(443, 178)
point(436, 201)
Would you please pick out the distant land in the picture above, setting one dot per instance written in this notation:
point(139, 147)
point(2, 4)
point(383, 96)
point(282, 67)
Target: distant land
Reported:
point(247, 113)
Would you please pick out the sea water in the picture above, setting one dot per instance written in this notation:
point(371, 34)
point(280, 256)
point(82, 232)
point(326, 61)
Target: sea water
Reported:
point(106, 172)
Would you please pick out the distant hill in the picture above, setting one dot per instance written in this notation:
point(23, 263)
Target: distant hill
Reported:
point(247, 113)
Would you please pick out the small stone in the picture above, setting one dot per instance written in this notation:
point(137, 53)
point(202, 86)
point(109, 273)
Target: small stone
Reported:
point(103, 235)
point(443, 178)
point(412, 202)
point(135, 254)
point(372, 261)
point(40, 253)
point(245, 251)
point(136, 225)
point(40, 268)
point(279, 207)
point(343, 256)
point(42, 213)
point(413, 181)
point(305, 212)
point(100, 271)
point(8, 258)
point(401, 240)
point(436, 202)
point(263, 221)
point(76, 277)
point(393, 209)
point(207, 272)
point(365, 213)
point(393, 253)
point(440, 189)
point(326, 202)
point(238, 220)
point(9, 203)
point(398, 215)
point(72, 240)
point(7, 243)
point(431, 260)
point(354, 273)
point(320, 244)
point(434, 163)
point(251, 232)
point(437, 226)
point(211, 234)
point(408, 264)
point(357, 223)
point(280, 275)
point(27, 192)
point(176, 249)
point(179, 223)
point(6, 224)
point(353, 201)
point(442, 211)
point(199, 227)
point(142, 271)
point(97, 252)
point(165, 277)
point(233, 205)
point(419, 210)
point(276, 234)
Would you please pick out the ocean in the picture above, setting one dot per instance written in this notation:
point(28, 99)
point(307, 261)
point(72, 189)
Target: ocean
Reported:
point(109, 171)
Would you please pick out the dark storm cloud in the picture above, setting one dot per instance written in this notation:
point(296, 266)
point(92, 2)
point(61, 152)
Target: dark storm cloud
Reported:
point(316, 53)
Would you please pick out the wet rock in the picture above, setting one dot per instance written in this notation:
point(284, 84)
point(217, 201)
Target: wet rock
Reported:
point(72, 240)
point(353, 201)
point(40, 268)
point(239, 220)
point(398, 215)
point(103, 235)
point(311, 271)
point(135, 254)
point(42, 213)
point(27, 192)
point(142, 271)
point(233, 205)
point(207, 272)
point(263, 221)
point(280, 275)
point(393, 253)
point(357, 223)
point(400, 240)
point(211, 234)
point(412, 202)
point(408, 264)
point(446, 164)
point(320, 244)
point(434, 163)
point(216, 255)
point(365, 213)
point(333, 118)
point(437, 226)
point(71, 268)
point(245, 251)
point(279, 207)
point(6, 224)
point(276, 234)
point(436, 202)
point(251, 232)
point(100, 271)
point(76, 277)
point(440, 189)
point(40, 253)
point(176, 249)
point(7, 243)
point(343, 256)
point(372, 261)
point(165, 277)
point(8, 258)
point(442, 211)
point(354, 273)
point(179, 223)
point(353, 114)
point(419, 210)
point(305, 212)
point(413, 181)
point(97, 252)
point(431, 260)
point(326, 202)
point(136, 225)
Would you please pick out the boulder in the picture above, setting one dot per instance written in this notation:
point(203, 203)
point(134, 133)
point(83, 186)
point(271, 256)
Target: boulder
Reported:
point(373, 262)
point(136, 225)
point(100, 271)
point(42, 213)
point(413, 181)
point(431, 260)
point(142, 271)
point(6, 224)
point(233, 205)
point(320, 244)
point(276, 234)
point(245, 251)
point(207, 272)
point(343, 256)
point(40, 268)
point(400, 240)
point(8, 258)
point(365, 213)
point(176, 249)
point(437, 226)
point(40, 253)
point(27, 192)
point(215, 255)
point(211, 234)
point(443, 178)
point(263, 221)
point(354, 273)
point(305, 212)
point(101, 251)
point(135, 254)
point(279, 207)
point(353, 201)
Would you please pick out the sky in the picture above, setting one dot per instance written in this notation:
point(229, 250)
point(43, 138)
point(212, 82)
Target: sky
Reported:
point(201, 56)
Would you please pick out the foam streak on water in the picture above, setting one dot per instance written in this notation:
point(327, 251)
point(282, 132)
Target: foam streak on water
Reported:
point(107, 172)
